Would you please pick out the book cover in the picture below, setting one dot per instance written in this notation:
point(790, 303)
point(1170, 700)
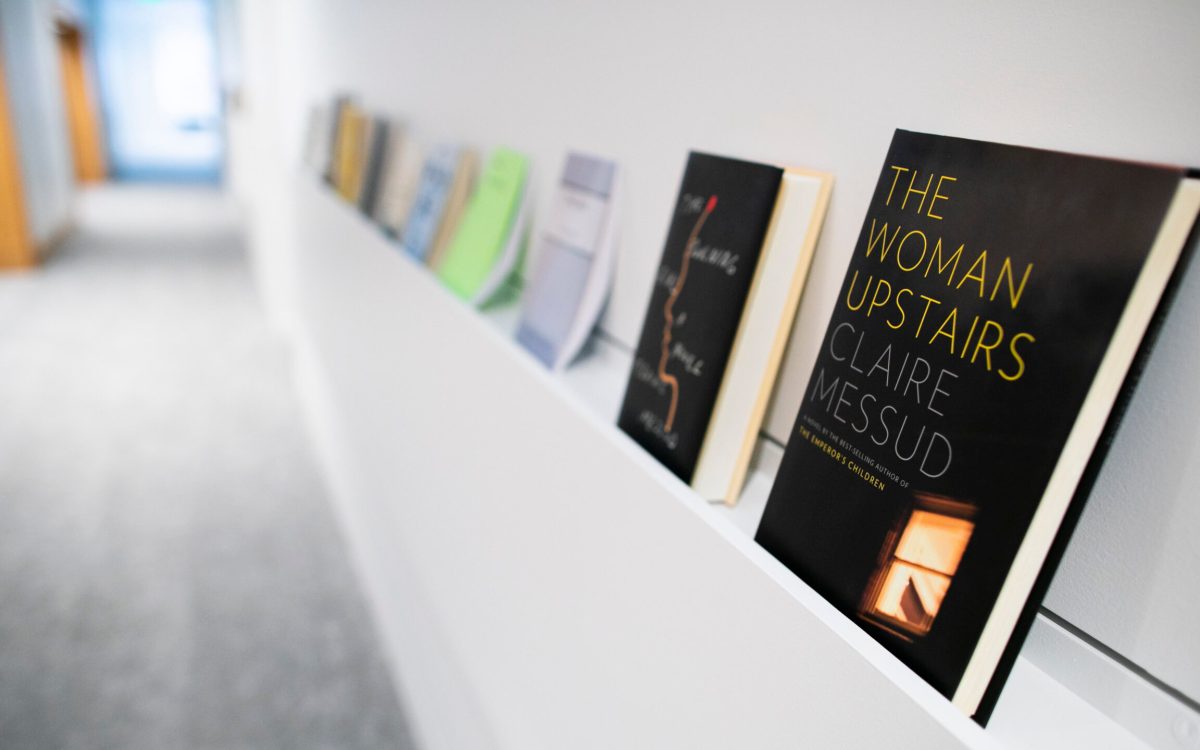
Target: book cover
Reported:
point(762, 336)
point(502, 284)
point(576, 252)
point(429, 204)
point(362, 128)
point(700, 289)
point(452, 211)
point(351, 133)
point(337, 135)
point(340, 137)
point(400, 174)
point(487, 224)
point(994, 303)
point(376, 155)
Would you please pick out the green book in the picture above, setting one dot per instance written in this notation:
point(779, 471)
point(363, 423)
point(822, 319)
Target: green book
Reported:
point(485, 246)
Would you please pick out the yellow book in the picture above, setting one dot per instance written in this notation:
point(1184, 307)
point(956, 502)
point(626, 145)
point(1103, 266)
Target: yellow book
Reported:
point(337, 158)
point(351, 144)
point(362, 135)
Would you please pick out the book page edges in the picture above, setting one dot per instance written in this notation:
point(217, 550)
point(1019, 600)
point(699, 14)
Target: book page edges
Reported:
point(719, 477)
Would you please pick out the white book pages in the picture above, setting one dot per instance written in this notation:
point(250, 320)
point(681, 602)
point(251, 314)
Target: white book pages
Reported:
point(762, 335)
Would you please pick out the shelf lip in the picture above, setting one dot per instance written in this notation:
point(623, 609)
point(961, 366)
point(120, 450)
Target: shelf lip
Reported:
point(496, 330)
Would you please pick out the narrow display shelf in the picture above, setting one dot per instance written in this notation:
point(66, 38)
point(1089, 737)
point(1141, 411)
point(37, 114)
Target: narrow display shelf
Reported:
point(542, 580)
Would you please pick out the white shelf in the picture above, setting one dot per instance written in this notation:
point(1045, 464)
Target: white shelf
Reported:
point(542, 582)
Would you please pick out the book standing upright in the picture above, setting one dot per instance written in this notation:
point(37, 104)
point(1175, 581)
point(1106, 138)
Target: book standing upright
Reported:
point(954, 420)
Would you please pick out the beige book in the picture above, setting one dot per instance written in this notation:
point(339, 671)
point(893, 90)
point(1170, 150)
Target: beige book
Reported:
point(399, 181)
point(456, 201)
point(762, 334)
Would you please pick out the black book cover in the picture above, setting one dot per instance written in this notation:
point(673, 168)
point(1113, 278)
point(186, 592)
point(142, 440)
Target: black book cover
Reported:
point(983, 292)
point(712, 249)
point(376, 158)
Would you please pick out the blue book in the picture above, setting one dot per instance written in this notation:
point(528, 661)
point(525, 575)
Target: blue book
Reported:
point(446, 172)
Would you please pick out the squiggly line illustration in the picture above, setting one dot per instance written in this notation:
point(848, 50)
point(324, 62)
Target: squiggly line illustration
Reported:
point(669, 315)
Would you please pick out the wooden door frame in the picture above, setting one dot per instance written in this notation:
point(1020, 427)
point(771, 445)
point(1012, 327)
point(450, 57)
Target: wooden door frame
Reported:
point(83, 123)
point(16, 243)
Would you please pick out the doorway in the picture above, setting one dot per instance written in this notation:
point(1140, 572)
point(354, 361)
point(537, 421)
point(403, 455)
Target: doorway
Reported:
point(16, 245)
point(83, 124)
point(157, 65)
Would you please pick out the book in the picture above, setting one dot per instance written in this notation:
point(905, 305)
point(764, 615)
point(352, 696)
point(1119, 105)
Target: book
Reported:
point(502, 285)
point(763, 333)
point(966, 386)
point(696, 323)
point(577, 253)
point(361, 132)
point(337, 135)
point(486, 245)
point(401, 170)
point(452, 211)
point(439, 197)
point(351, 132)
point(376, 155)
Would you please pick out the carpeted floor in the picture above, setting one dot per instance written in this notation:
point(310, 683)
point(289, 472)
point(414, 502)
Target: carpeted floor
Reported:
point(171, 574)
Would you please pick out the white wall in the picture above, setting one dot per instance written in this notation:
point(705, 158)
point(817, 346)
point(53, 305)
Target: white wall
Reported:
point(263, 129)
point(551, 586)
point(31, 67)
point(822, 86)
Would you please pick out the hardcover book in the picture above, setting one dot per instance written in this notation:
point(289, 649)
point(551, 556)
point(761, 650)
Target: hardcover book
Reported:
point(337, 161)
point(486, 245)
point(697, 326)
point(361, 143)
point(339, 111)
point(444, 181)
point(376, 155)
point(957, 412)
point(398, 179)
point(456, 203)
point(576, 259)
point(762, 336)
point(318, 137)
point(352, 136)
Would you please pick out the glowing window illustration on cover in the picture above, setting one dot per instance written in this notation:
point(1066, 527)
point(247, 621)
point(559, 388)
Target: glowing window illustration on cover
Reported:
point(917, 564)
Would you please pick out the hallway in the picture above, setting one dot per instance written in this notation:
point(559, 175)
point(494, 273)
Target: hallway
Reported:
point(171, 572)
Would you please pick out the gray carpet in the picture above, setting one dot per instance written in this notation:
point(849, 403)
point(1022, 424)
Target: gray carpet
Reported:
point(171, 574)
